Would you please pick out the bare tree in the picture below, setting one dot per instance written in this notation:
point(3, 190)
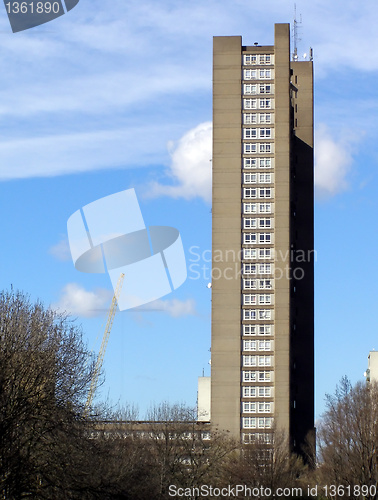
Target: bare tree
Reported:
point(348, 439)
point(267, 463)
point(186, 453)
point(44, 377)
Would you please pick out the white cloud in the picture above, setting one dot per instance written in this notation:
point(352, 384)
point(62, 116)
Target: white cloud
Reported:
point(99, 93)
point(53, 155)
point(341, 43)
point(61, 250)
point(190, 167)
point(173, 307)
point(333, 160)
point(77, 301)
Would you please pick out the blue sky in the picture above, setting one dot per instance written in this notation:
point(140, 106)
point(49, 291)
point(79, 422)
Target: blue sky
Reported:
point(117, 94)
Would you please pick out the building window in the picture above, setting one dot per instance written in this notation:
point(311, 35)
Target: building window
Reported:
point(265, 178)
point(264, 407)
point(249, 74)
point(265, 208)
point(265, 147)
point(249, 376)
point(249, 407)
point(265, 118)
point(265, 253)
point(248, 438)
point(265, 284)
point(251, 193)
point(249, 392)
point(249, 118)
point(249, 300)
point(249, 253)
point(264, 376)
point(249, 345)
point(264, 345)
point(263, 360)
point(249, 162)
point(264, 223)
point(265, 74)
point(249, 360)
point(265, 133)
point(249, 329)
point(265, 163)
point(249, 284)
point(265, 59)
point(264, 268)
point(249, 223)
point(265, 392)
point(250, 59)
point(264, 314)
point(249, 238)
point(249, 208)
point(265, 329)
point(250, 88)
point(250, 148)
point(265, 238)
point(249, 133)
point(249, 178)
point(252, 103)
point(265, 422)
point(264, 103)
point(264, 193)
point(249, 422)
point(249, 314)
point(265, 88)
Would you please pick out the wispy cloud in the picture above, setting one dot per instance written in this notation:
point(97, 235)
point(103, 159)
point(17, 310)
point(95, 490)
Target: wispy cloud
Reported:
point(173, 307)
point(99, 93)
point(333, 160)
point(61, 250)
point(53, 155)
point(190, 168)
point(69, 93)
point(77, 301)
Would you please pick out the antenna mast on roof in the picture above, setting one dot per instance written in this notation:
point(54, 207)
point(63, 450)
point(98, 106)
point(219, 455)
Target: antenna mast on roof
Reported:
point(296, 39)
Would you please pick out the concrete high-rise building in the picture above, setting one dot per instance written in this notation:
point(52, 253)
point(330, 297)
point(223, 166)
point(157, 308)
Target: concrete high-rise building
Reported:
point(262, 360)
point(371, 373)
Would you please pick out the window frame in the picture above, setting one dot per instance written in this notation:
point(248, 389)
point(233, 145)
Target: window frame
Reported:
point(252, 328)
point(249, 299)
point(264, 103)
point(250, 407)
point(249, 314)
point(249, 422)
point(251, 120)
point(252, 161)
point(247, 391)
point(249, 268)
point(251, 103)
point(249, 376)
point(252, 253)
point(250, 178)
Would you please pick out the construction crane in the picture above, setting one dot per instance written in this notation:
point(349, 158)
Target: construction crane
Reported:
point(104, 343)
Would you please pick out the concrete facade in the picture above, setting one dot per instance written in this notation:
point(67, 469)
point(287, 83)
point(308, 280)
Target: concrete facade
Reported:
point(372, 370)
point(262, 368)
point(204, 399)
